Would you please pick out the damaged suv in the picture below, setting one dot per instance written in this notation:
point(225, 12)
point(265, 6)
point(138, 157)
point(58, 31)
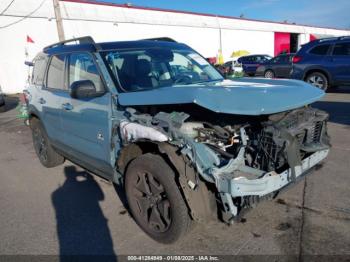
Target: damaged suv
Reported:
point(155, 118)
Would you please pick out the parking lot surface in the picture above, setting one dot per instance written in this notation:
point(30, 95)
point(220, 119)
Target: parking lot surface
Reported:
point(65, 210)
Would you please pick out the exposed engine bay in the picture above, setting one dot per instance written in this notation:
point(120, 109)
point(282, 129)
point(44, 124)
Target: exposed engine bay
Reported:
point(246, 157)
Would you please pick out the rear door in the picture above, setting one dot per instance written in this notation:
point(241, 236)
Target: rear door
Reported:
point(340, 60)
point(49, 99)
point(86, 122)
point(250, 65)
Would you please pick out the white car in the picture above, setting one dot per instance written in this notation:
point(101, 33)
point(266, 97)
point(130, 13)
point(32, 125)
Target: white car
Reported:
point(234, 65)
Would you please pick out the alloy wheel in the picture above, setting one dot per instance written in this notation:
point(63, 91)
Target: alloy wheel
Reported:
point(316, 81)
point(152, 203)
point(269, 74)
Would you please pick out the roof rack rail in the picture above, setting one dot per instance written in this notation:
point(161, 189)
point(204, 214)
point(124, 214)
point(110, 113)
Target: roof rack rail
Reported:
point(327, 39)
point(166, 39)
point(79, 40)
point(334, 38)
point(344, 37)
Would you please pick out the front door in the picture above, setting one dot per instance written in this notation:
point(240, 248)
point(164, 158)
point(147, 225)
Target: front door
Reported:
point(284, 66)
point(86, 122)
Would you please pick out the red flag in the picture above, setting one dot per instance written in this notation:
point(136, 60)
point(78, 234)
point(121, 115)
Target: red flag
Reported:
point(29, 40)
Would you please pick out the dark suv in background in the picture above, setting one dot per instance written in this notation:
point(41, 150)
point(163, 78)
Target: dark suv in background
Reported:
point(324, 63)
point(251, 62)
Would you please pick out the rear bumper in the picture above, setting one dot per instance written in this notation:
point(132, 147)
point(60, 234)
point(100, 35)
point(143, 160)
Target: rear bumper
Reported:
point(272, 181)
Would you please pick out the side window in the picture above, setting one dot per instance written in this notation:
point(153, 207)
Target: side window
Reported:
point(276, 60)
point(55, 74)
point(342, 49)
point(284, 59)
point(38, 74)
point(82, 67)
point(320, 50)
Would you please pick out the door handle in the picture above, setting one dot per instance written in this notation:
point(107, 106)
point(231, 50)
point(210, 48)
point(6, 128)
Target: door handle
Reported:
point(41, 101)
point(67, 106)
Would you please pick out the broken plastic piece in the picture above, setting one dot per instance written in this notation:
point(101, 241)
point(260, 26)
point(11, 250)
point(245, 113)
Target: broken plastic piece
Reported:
point(133, 132)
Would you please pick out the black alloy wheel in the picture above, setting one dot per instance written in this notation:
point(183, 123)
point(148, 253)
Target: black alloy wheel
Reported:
point(155, 200)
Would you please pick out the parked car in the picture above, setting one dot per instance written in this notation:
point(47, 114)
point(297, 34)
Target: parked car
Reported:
point(251, 62)
point(2, 101)
point(279, 66)
point(184, 145)
point(234, 66)
point(324, 63)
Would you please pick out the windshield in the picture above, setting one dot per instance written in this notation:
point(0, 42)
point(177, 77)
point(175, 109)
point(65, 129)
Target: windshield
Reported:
point(159, 67)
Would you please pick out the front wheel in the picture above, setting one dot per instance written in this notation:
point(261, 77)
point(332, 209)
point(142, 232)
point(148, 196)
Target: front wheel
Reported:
point(155, 200)
point(318, 80)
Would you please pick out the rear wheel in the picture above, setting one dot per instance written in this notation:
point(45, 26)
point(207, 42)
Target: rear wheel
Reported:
point(47, 155)
point(318, 80)
point(269, 74)
point(155, 200)
point(3, 108)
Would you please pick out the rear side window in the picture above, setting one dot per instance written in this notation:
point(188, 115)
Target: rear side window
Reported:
point(82, 67)
point(38, 74)
point(55, 74)
point(342, 49)
point(320, 50)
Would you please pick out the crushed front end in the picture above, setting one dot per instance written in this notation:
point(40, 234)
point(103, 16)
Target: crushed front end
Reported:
point(247, 159)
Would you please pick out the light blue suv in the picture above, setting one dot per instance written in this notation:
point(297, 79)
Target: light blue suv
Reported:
point(155, 118)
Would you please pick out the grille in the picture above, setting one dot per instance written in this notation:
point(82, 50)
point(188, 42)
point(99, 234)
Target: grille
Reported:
point(268, 157)
point(314, 133)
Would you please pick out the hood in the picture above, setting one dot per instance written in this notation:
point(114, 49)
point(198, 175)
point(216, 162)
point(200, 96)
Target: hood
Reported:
point(244, 96)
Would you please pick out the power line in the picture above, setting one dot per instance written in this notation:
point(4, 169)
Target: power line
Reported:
point(7, 7)
point(24, 17)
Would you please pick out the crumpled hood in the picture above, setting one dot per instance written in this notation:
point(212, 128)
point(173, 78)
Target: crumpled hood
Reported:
point(244, 96)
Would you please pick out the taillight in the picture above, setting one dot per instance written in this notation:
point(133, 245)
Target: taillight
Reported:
point(296, 59)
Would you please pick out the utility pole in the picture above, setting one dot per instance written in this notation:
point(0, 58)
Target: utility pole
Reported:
point(60, 30)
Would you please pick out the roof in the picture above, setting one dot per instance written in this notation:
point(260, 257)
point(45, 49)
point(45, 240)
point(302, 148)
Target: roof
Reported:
point(61, 47)
point(130, 6)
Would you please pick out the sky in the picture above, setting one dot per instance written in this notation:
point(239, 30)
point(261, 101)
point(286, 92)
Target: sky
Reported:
point(325, 13)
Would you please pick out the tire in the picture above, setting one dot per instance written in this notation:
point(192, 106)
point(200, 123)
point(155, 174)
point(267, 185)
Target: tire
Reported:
point(2, 108)
point(318, 80)
point(269, 74)
point(155, 200)
point(47, 155)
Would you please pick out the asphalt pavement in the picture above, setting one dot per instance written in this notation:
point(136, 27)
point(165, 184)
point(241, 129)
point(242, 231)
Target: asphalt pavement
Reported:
point(65, 210)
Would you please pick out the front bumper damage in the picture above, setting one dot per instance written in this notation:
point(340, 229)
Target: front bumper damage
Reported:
point(235, 179)
point(270, 182)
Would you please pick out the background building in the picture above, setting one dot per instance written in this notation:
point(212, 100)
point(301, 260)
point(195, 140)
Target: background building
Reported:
point(26, 26)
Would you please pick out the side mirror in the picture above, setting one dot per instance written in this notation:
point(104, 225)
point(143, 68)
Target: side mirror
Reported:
point(28, 63)
point(83, 89)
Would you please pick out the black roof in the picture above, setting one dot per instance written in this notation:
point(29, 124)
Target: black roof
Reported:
point(89, 45)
